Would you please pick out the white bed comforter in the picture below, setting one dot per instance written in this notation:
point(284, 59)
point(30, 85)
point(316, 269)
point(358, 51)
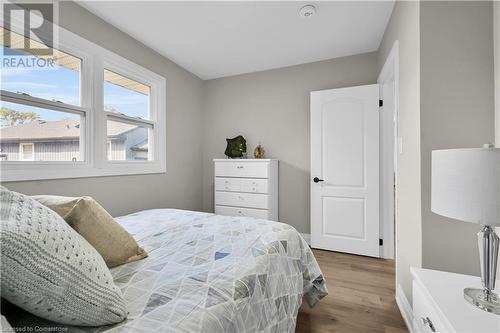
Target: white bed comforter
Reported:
point(211, 273)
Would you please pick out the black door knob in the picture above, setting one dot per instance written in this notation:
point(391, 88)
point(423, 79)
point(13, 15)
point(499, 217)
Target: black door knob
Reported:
point(317, 180)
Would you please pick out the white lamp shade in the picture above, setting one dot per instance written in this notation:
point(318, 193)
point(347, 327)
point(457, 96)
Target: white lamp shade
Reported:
point(466, 184)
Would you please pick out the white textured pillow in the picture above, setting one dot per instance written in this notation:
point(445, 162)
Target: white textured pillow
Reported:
point(48, 269)
point(4, 325)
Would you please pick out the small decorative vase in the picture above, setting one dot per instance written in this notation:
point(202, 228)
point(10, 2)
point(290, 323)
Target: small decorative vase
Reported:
point(236, 147)
point(259, 152)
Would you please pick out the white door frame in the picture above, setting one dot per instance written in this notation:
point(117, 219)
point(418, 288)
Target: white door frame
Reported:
point(388, 199)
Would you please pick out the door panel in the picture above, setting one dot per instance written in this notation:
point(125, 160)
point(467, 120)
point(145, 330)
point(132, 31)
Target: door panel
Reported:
point(343, 138)
point(345, 156)
point(338, 210)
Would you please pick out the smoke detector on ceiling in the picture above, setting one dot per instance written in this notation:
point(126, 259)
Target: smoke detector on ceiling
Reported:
point(307, 11)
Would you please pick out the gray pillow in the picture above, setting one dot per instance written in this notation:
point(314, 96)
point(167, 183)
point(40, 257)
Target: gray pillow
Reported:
point(4, 325)
point(48, 269)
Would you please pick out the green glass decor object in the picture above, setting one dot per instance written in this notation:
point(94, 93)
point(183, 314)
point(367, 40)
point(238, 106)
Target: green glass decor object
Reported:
point(236, 147)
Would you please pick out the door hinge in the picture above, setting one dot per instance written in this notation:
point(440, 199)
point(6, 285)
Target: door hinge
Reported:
point(380, 103)
point(380, 242)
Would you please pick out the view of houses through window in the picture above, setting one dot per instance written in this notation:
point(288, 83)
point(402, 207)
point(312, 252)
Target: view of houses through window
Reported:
point(51, 135)
point(124, 96)
point(126, 141)
point(29, 133)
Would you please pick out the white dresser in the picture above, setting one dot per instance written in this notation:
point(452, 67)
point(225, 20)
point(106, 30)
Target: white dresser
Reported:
point(439, 304)
point(246, 187)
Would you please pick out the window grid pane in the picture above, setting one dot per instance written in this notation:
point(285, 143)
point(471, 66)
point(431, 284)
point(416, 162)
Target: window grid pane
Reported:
point(30, 133)
point(126, 96)
point(53, 77)
point(128, 142)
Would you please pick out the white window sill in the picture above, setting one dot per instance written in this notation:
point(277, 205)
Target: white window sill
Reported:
point(26, 171)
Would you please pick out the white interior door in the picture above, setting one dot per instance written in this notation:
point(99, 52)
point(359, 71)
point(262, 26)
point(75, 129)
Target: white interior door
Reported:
point(345, 170)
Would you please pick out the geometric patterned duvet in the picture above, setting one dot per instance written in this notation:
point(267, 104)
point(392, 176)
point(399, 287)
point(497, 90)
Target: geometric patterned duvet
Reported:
point(209, 273)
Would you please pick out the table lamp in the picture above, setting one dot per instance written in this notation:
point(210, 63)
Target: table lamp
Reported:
point(466, 187)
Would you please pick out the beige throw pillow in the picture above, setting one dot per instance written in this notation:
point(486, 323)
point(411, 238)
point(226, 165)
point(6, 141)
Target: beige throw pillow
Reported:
point(94, 223)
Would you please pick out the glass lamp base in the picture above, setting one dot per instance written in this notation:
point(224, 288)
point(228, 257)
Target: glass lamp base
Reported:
point(483, 299)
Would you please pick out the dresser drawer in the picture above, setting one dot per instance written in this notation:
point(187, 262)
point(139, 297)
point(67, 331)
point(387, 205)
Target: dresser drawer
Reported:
point(242, 169)
point(227, 184)
point(242, 185)
point(249, 200)
point(425, 316)
point(248, 212)
point(255, 185)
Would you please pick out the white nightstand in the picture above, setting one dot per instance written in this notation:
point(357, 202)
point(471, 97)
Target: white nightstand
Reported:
point(439, 304)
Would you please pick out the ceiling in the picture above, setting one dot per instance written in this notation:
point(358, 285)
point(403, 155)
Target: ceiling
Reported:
point(216, 39)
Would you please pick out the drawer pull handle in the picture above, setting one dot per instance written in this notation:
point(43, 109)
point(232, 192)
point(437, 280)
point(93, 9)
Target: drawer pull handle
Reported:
point(241, 198)
point(239, 167)
point(427, 321)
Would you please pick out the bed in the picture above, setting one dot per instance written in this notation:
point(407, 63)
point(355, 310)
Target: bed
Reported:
point(211, 273)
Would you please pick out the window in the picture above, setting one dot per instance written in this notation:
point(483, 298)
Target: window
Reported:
point(125, 96)
point(56, 135)
point(90, 113)
point(129, 126)
point(127, 141)
point(27, 152)
point(56, 78)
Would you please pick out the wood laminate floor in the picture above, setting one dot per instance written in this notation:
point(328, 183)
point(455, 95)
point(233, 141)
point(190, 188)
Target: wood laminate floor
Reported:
point(361, 297)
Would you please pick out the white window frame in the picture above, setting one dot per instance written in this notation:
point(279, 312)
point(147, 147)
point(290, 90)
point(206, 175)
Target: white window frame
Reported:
point(109, 145)
point(93, 137)
point(21, 151)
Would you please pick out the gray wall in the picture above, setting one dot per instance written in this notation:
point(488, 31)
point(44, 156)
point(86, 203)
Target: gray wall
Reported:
point(457, 111)
point(272, 107)
point(496, 36)
point(180, 187)
point(446, 101)
point(404, 27)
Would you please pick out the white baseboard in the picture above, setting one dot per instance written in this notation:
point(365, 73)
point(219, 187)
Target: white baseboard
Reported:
point(307, 238)
point(404, 307)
